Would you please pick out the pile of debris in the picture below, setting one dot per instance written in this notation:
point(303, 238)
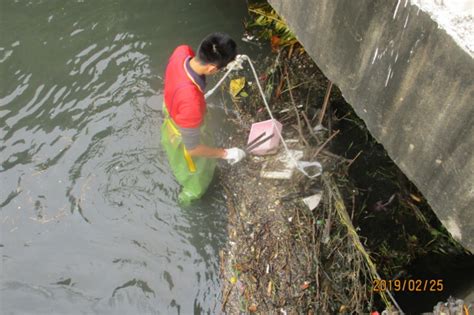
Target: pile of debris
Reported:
point(292, 246)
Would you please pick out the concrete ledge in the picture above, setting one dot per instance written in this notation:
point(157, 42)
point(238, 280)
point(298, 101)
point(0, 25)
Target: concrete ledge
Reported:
point(410, 82)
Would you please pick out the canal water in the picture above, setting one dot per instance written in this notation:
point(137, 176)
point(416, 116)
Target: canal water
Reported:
point(89, 216)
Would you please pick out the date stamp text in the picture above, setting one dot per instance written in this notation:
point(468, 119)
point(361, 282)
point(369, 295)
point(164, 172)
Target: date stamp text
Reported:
point(408, 285)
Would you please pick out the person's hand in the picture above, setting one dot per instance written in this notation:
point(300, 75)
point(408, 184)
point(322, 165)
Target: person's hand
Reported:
point(234, 155)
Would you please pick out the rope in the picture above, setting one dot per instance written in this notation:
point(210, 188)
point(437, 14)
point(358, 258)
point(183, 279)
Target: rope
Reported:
point(300, 165)
point(208, 93)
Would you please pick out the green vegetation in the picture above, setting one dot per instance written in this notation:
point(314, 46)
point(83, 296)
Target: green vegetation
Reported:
point(270, 26)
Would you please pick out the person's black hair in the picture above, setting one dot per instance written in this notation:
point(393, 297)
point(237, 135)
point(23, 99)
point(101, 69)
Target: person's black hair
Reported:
point(218, 49)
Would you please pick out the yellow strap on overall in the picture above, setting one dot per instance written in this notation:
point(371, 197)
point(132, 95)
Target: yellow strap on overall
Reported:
point(187, 156)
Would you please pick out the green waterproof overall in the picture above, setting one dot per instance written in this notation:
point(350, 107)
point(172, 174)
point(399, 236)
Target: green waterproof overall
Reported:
point(193, 173)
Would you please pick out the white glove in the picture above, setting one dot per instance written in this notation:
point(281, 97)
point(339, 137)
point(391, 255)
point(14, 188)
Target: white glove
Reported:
point(234, 155)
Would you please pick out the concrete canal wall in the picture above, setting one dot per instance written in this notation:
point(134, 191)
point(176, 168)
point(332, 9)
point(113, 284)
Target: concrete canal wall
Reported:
point(407, 69)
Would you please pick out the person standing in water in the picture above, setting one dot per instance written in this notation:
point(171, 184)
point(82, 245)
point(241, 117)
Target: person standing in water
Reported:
point(184, 137)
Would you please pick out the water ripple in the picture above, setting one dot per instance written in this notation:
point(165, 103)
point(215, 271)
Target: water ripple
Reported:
point(85, 186)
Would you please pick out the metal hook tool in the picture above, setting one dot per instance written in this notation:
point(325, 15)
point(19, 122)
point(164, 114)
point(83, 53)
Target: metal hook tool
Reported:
point(256, 143)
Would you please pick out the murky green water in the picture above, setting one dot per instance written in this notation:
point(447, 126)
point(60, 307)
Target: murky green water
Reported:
point(89, 219)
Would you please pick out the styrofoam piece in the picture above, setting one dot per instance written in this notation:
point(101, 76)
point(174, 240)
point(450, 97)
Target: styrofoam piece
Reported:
point(269, 127)
point(313, 201)
point(286, 166)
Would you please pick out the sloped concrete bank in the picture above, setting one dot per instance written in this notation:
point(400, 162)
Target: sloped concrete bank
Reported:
point(411, 83)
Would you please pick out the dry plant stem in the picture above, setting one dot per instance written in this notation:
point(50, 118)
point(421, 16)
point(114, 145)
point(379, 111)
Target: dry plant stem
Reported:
point(307, 99)
point(353, 206)
point(300, 131)
point(325, 103)
point(329, 119)
point(279, 89)
point(333, 155)
point(327, 227)
point(224, 102)
point(226, 298)
point(324, 144)
point(352, 161)
point(308, 124)
point(290, 51)
point(294, 87)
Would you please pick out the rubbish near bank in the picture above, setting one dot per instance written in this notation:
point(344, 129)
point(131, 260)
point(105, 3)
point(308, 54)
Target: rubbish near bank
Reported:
point(272, 124)
point(292, 246)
